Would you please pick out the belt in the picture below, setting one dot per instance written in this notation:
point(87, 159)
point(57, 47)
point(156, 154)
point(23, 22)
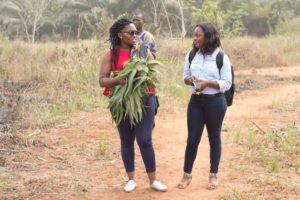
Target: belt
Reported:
point(207, 95)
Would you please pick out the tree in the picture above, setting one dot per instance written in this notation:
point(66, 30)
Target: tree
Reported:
point(180, 4)
point(167, 17)
point(10, 22)
point(209, 11)
point(31, 14)
point(81, 19)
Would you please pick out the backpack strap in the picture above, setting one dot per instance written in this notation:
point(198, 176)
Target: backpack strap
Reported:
point(219, 59)
point(191, 56)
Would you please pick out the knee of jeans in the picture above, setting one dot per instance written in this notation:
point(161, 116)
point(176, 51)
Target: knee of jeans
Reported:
point(127, 144)
point(193, 141)
point(144, 143)
point(215, 139)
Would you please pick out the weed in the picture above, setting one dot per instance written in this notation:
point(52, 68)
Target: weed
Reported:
point(102, 147)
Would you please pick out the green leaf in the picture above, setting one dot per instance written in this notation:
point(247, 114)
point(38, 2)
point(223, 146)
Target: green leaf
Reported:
point(128, 100)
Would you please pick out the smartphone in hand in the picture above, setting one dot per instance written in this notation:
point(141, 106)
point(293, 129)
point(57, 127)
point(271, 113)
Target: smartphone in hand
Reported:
point(197, 84)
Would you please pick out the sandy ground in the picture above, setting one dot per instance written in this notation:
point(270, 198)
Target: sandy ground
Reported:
point(66, 164)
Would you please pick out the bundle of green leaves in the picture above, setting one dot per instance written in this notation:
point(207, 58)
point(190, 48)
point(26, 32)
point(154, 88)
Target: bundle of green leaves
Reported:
point(128, 100)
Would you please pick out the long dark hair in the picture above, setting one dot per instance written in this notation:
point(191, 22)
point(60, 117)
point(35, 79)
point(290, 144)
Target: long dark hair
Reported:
point(114, 39)
point(212, 38)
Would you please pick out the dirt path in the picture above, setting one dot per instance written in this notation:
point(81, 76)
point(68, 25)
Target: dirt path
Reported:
point(170, 139)
point(66, 163)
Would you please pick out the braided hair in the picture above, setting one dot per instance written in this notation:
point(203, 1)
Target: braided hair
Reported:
point(114, 39)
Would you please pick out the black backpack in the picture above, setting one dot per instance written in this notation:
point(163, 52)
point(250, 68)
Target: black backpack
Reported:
point(229, 93)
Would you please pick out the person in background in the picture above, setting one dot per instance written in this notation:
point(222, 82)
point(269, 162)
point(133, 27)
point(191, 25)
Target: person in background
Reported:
point(144, 36)
point(147, 39)
point(123, 40)
point(207, 105)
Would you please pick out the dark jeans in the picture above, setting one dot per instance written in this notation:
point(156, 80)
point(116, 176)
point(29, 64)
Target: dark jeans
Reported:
point(143, 133)
point(208, 111)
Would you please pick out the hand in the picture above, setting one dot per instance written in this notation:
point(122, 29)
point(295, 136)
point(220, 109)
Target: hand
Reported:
point(203, 85)
point(121, 81)
point(189, 80)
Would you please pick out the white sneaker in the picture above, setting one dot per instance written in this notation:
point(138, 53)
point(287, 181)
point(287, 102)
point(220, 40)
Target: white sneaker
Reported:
point(130, 186)
point(156, 185)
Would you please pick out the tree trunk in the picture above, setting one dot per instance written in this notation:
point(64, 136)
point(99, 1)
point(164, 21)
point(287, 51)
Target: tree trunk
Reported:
point(167, 16)
point(33, 30)
point(26, 30)
point(80, 27)
point(155, 14)
point(181, 5)
point(31, 15)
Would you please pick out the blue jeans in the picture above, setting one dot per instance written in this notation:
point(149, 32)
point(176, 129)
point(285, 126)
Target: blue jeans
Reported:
point(142, 131)
point(208, 111)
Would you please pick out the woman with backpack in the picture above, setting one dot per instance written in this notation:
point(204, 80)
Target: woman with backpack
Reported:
point(123, 40)
point(207, 104)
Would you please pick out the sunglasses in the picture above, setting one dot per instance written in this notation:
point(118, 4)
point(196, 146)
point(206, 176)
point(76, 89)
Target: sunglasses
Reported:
point(132, 33)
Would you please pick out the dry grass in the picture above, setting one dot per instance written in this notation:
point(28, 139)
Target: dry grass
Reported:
point(285, 105)
point(41, 84)
point(244, 52)
point(50, 80)
point(268, 164)
point(255, 82)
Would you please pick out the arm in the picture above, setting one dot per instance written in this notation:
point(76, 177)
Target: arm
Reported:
point(207, 83)
point(188, 79)
point(149, 55)
point(104, 75)
point(150, 42)
point(151, 46)
point(225, 80)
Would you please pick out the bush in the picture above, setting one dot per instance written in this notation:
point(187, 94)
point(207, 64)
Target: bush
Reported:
point(290, 27)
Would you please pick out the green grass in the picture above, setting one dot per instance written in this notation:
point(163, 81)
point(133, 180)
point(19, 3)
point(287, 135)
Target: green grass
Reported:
point(251, 139)
point(102, 147)
point(237, 137)
point(275, 150)
point(270, 166)
point(273, 163)
point(297, 167)
point(9, 191)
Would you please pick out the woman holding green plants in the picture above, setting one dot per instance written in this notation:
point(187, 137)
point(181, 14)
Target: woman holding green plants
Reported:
point(123, 39)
